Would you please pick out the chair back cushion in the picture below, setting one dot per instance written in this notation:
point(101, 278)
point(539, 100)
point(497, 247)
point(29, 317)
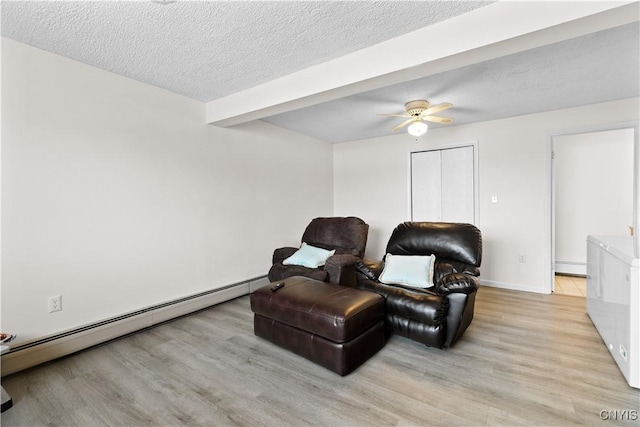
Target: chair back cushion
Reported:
point(445, 240)
point(346, 233)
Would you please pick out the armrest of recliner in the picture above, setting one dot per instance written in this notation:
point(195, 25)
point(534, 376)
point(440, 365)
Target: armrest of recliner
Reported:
point(341, 269)
point(369, 268)
point(281, 254)
point(458, 283)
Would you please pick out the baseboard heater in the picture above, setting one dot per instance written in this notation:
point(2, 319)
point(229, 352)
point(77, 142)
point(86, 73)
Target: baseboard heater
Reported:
point(46, 349)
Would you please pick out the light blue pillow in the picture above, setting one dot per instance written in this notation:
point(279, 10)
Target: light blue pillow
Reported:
point(408, 270)
point(309, 256)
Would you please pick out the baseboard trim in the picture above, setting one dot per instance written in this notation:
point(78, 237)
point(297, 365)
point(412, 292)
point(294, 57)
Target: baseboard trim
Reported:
point(570, 268)
point(513, 286)
point(46, 349)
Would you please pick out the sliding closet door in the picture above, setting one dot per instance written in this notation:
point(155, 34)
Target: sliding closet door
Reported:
point(426, 186)
point(442, 185)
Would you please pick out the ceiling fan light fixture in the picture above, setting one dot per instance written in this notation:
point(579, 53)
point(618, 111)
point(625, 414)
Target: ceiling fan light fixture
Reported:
point(417, 128)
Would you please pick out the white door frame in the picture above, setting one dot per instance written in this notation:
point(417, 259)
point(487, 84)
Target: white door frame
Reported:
point(550, 185)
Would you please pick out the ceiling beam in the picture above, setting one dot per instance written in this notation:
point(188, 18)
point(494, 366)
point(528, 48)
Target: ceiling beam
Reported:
point(489, 32)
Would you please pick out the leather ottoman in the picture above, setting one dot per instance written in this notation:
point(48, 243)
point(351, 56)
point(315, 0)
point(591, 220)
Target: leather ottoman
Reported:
point(335, 326)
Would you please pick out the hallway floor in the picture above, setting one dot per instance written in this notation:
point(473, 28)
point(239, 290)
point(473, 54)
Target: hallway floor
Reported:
point(570, 285)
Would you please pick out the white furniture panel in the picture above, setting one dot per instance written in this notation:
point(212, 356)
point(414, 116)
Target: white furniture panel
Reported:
point(613, 300)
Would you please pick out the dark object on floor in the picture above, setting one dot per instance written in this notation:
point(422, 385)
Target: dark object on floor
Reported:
point(346, 235)
point(335, 326)
point(7, 402)
point(436, 316)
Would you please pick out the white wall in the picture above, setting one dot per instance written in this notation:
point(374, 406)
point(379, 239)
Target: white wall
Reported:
point(371, 181)
point(593, 181)
point(117, 195)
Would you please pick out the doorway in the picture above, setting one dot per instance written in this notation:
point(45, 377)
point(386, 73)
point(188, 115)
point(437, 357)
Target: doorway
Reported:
point(592, 176)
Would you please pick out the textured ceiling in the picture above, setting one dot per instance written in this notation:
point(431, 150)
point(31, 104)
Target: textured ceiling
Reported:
point(211, 49)
point(599, 67)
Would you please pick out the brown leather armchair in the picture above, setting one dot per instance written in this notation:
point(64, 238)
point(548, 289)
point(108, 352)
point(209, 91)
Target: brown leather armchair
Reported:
point(436, 316)
point(346, 235)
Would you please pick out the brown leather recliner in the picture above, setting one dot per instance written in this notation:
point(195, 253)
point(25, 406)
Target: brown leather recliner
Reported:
point(439, 315)
point(347, 235)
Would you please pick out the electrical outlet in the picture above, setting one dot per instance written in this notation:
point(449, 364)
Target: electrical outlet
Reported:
point(55, 303)
point(522, 258)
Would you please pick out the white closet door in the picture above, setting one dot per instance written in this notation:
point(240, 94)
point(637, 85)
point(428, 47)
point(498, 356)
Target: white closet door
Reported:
point(426, 186)
point(442, 185)
point(457, 185)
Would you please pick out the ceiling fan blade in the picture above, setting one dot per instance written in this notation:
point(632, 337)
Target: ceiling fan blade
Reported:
point(437, 108)
point(436, 119)
point(406, 122)
point(393, 115)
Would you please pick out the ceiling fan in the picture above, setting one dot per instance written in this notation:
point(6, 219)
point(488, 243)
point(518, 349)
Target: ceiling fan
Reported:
point(418, 112)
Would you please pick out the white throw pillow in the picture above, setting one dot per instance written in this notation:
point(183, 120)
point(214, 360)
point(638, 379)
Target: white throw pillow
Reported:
point(309, 256)
point(409, 270)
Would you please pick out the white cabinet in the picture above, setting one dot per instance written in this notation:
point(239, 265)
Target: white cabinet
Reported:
point(613, 300)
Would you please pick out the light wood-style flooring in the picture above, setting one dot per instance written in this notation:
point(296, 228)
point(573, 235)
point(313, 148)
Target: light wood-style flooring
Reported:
point(527, 359)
